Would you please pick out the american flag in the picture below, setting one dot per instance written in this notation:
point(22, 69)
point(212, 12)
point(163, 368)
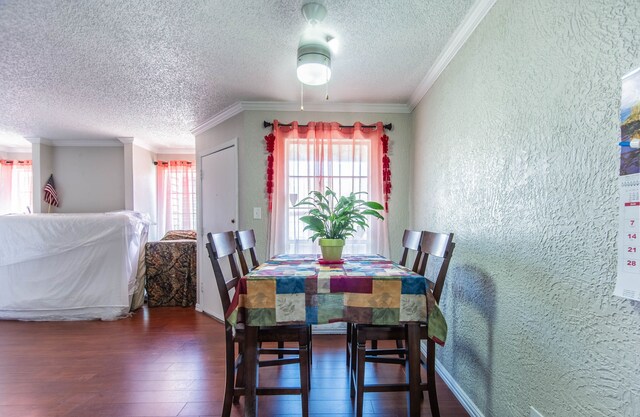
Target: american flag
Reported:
point(50, 194)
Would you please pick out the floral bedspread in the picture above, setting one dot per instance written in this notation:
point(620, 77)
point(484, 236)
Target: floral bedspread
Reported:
point(171, 273)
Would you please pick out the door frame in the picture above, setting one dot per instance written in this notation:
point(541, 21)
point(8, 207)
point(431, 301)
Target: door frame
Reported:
point(233, 143)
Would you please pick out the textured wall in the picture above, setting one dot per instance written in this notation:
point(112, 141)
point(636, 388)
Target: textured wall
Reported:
point(515, 152)
point(88, 179)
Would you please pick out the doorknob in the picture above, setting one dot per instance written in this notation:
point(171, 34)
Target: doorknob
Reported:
point(233, 221)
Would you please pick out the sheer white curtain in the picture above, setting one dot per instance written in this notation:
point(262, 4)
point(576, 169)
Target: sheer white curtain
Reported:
point(324, 155)
point(16, 186)
point(176, 196)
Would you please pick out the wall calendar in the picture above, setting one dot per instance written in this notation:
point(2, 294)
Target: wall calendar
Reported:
point(628, 283)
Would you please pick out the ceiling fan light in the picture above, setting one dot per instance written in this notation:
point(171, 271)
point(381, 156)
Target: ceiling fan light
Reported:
point(314, 64)
point(314, 73)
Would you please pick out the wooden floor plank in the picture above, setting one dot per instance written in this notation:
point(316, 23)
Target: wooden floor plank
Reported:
point(167, 362)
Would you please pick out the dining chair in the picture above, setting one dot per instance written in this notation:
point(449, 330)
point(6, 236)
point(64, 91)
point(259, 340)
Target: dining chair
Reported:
point(219, 247)
point(410, 243)
point(437, 247)
point(246, 240)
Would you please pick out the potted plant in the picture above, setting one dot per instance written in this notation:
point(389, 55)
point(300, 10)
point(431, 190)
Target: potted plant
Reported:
point(332, 219)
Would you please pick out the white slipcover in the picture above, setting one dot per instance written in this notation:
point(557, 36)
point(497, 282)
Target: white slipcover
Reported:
point(70, 266)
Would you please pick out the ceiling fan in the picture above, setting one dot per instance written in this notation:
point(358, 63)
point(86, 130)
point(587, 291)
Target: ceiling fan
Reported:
point(314, 51)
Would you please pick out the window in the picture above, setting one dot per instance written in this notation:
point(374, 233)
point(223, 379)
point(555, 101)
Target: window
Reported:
point(176, 196)
point(341, 164)
point(311, 157)
point(16, 186)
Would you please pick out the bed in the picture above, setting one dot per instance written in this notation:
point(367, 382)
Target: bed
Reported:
point(72, 266)
point(171, 278)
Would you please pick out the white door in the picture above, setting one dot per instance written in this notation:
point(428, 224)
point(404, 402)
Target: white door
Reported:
point(219, 213)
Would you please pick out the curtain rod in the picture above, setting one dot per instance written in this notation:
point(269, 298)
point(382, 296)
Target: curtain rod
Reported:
point(265, 124)
point(166, 162)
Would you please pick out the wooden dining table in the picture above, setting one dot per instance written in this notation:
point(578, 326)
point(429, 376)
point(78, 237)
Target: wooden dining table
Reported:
point(363, 289)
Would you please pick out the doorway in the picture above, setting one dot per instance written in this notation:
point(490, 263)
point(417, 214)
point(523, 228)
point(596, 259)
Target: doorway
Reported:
point(218, 213)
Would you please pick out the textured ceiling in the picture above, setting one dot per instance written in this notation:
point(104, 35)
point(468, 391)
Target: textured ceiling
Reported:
point(153, 70)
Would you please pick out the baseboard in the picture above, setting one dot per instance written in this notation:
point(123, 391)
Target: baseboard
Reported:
point(457, 390)
point(206, 313)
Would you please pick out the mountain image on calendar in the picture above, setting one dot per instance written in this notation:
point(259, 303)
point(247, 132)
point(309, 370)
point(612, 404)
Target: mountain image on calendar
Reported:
point(630, 123)
point(630, 127)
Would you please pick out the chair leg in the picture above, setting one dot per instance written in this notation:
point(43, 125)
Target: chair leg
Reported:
point(431, 378)
point(229, 376)
point(348, 344)
point(413, 369)
point(304, 376)
point(310, 332)
point(250, 356)
point(360, 359)
point(280, 346)
point(310, 356)
point(239, 373)
point(353, 337)
point(374, 344)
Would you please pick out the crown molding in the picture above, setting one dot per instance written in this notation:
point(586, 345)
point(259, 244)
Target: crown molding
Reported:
point(164, 150)
point(8, 149)
point(139, 143)
point(75, 142)
point(178, 151)
point(97, 143)
point(145, 145)
point(327, 106)
point(116, 142)
point(241, 106)
point(462, 33)
point(39, 141)
point(225, 114)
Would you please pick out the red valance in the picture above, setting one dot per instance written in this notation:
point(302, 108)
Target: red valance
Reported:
point(24, 163)
point(327, 130)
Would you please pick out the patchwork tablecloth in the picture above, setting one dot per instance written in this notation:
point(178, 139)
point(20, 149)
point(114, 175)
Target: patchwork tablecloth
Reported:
point(297, 289)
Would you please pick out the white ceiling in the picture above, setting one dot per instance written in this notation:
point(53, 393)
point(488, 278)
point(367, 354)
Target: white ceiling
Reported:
point(153, 70)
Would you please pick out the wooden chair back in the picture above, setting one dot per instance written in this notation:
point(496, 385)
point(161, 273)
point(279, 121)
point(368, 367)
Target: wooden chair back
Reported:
point(246, 240)
point(220, 246)
point(411, 242)
point(439, 245)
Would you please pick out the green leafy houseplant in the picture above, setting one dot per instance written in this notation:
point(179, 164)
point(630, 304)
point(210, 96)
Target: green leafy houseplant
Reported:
point(332, 219)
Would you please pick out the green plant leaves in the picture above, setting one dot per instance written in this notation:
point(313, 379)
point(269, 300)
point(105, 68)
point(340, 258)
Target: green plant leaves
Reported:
point(374, 205)
point(341, 221)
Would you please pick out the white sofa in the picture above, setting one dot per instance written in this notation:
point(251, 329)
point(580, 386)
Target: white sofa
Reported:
point(71, 266)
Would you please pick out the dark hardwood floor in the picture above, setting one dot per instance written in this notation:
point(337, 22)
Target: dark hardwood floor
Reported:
point(165, 362)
